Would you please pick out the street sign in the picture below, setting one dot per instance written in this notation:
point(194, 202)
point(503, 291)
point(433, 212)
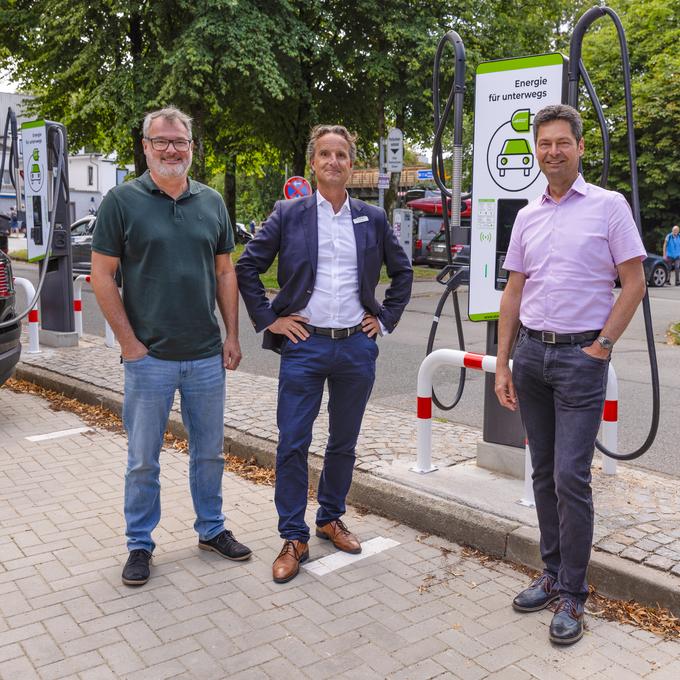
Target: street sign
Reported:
point(395, 150)
point(296, 187)
point(383, 181)
point(506, 176)
point(424, 175)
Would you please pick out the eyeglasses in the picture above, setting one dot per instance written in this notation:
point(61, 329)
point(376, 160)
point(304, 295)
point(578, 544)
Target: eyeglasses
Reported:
point(160, 144)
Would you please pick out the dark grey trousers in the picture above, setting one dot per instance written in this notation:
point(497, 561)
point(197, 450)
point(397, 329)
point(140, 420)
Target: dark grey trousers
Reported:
point(561, 394)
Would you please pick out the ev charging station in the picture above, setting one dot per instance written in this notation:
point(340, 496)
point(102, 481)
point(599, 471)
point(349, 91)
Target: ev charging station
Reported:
point(402, 225)
point(45, 170)
point(506, 177)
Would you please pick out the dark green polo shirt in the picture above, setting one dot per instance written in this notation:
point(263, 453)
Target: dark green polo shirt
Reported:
point(167, 251)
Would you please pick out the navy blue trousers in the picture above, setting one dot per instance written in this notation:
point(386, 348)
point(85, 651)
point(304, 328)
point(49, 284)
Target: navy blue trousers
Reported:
point(561, 393)
point(348, 366)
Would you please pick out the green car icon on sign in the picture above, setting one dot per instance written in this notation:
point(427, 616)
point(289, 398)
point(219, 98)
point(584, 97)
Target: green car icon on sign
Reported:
point(515, 155)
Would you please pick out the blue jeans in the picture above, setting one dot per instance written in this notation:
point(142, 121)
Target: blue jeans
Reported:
point(150, 386)
point(349, 367)
point(561, 393)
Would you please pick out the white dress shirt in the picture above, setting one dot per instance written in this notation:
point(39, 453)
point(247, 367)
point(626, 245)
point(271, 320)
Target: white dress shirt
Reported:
point(335, 301)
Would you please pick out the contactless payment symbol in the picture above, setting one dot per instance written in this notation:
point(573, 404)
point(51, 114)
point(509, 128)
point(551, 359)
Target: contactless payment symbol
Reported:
point(510, 157)
point(296, 187)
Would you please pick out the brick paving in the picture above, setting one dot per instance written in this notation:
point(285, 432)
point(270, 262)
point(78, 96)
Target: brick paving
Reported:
point(637, 512)
point(422, 609)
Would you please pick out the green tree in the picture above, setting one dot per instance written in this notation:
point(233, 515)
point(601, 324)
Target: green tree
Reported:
point(653, 32)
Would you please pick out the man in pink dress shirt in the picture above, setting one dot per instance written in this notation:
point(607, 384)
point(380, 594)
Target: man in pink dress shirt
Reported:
point(566, 250)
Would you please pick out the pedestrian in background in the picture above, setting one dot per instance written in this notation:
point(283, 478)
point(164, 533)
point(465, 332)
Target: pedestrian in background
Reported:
point(671, 251)
point(567, 248)
point(252, 227)
point(172, 239)
point(325, 322)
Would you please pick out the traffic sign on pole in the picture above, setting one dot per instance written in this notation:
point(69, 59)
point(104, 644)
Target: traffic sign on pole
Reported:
point(395, 150)
point(296, 187)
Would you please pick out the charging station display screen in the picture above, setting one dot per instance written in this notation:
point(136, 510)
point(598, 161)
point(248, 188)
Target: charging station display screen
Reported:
point(506, 175)
point(506, 214)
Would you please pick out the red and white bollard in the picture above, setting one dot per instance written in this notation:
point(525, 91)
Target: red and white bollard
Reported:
point(78, 302)
point(486, 363)
point(33, 316)
point(609, 434)
point(109, 337)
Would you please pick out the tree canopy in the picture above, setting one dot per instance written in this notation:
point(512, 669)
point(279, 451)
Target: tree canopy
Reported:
point(257, 74)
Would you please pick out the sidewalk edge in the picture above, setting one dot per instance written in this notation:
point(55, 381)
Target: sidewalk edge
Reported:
point(457, 522)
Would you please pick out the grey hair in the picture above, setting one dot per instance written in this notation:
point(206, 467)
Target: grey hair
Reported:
point(319, 131)
point(170, 113)
point(559, 112)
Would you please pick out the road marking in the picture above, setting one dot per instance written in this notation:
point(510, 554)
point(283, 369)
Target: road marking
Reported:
point(326, 565)
point(59, 433)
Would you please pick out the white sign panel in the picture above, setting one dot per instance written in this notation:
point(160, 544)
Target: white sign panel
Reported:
point(395, 150)
point(506, 176)
point(36, 187)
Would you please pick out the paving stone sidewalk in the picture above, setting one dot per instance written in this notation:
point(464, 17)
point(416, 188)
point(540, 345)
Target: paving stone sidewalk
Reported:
point(637, 513)
point(421, 609)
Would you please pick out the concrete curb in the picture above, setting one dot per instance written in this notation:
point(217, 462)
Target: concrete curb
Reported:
point(458, 522)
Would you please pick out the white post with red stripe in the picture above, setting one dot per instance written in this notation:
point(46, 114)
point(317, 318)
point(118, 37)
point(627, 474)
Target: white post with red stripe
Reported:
point(433, 361)
point(528, 496)
point(109, 337)
point(610, 422)
point(33, 316)
point(486, 363)
point(78, 302)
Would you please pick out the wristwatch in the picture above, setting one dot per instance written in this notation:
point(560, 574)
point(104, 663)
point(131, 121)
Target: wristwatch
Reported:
point(605, 343)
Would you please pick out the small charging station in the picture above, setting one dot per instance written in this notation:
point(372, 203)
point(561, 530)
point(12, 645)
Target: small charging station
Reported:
point(45, 165)
point(506, 176)
point(402, 225)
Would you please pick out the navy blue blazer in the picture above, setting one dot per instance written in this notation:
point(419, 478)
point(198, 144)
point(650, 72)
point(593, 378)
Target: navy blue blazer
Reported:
point(291, 232)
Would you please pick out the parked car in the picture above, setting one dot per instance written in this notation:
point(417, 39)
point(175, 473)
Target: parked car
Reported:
point(657, 272)
point(10, 338)
point(436, 254)
point(81, 244)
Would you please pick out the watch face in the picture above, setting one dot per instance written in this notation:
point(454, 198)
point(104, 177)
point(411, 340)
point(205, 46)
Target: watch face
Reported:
point(606, 343)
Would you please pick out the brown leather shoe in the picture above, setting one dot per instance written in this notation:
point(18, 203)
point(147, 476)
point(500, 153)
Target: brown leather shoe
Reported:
point(340, 536)
point(287, 564)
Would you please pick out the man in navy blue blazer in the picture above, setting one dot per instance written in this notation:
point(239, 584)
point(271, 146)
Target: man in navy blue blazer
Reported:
point(324, 322)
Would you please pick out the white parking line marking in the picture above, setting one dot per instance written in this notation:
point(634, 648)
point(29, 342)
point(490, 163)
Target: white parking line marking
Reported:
point(59, 433)
point(325, 565)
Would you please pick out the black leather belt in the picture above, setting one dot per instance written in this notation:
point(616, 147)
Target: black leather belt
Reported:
point(552, 338)
point(334, 333)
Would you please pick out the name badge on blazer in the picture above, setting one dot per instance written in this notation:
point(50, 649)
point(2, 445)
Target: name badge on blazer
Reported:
point(359, 220)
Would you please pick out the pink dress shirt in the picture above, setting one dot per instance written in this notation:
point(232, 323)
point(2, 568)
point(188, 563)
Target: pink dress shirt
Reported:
point(568, 252)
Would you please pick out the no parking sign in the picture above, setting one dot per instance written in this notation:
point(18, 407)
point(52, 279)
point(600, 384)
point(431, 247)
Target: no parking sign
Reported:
point(296, 187)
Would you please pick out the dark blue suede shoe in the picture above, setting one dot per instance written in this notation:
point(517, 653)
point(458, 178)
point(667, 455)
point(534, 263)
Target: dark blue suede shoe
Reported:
point(566, 626)
point(538, 595)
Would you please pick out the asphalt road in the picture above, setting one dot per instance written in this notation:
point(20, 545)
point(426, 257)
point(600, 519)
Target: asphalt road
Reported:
point(402, 352)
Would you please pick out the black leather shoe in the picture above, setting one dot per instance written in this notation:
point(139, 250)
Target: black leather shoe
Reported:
point(566, 626)
point(226, 545)
point(136, 571)
point(538, 595)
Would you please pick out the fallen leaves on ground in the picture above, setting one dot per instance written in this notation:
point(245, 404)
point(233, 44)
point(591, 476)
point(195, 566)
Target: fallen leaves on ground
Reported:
point(105, 419)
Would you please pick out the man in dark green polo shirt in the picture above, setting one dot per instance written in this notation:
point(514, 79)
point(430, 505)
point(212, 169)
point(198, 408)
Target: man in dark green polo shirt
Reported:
point(172, 239)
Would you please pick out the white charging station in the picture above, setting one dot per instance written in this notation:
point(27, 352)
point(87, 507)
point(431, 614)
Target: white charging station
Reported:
point(402, 225)
point(506, 176)
point(37, 187)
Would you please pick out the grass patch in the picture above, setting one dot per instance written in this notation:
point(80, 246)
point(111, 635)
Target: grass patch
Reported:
point(21, 255)
point(269, 277)
point(673, 334)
